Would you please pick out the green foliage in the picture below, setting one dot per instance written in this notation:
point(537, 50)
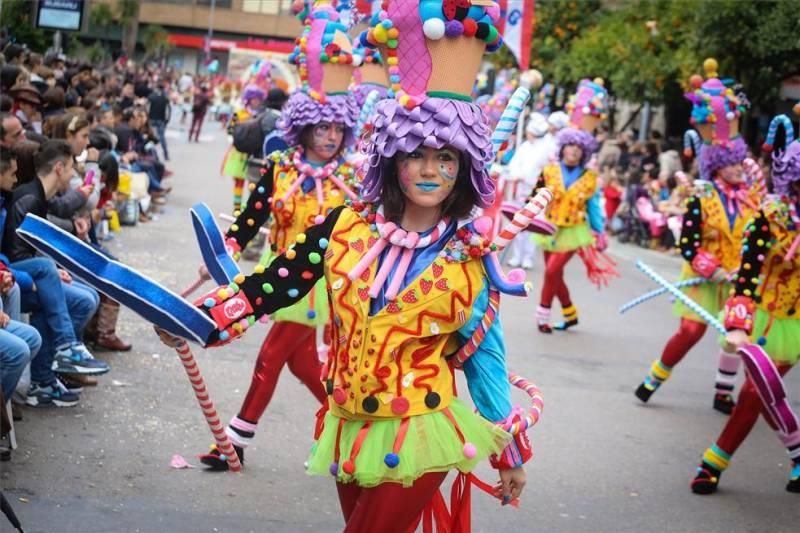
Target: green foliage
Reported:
point(156, 41)
point(18, 19)
point(101, 17)
point(643, 47)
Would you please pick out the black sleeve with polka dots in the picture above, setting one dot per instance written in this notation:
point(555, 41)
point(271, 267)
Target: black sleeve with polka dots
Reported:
point(282, 284)
point(757, 242)
point(257, 211)
point(692, 229)
point(292, 274)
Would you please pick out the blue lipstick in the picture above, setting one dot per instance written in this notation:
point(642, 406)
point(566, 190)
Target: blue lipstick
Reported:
point(427, 186)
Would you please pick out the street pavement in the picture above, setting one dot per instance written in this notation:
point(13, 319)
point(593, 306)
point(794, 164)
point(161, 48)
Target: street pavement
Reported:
point(603, 461)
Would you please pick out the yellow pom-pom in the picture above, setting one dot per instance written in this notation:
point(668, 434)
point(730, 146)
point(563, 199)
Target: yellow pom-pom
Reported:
point(404, 99)
point(250, 222)
point(259, 269)
point(710, 67)
point(379, 33)
point(290, 254)
point(301, 238)
point(251, 186)
point(238, 279)
point(392, 61)
point(234, 227)
point(222, 294)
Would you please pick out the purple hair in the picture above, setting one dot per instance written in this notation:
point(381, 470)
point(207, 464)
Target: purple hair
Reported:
point(716, 156)
point(786, 169)
point(252, 91)
point(301, 110)
point(362, 90)
point(435, 123)
point(583, 139)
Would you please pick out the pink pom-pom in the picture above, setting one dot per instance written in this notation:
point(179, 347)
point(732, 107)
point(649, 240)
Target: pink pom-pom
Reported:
point(319, 219)
point(483, 225)
point(469, 450)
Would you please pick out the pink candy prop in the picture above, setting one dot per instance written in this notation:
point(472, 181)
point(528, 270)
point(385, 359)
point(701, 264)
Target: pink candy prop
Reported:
point(755, 176)
point(535, 412)
point(523, 218)
point(207, 406)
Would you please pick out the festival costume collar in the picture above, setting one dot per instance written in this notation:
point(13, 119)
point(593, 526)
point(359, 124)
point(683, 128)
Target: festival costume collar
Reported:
point(318, 174)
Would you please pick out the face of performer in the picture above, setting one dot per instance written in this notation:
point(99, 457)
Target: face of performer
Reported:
point(732, 174)
point(427, 176)
point(325, 141)
point(571, 155)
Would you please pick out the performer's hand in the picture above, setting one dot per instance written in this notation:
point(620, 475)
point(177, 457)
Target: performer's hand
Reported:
point(511, 484)
point(6, 281)
point(203, 271)
point(600, 241)
point(168, 338)
point(64, 275)
point(4, 320)
point(720, 276)
point(735, 339)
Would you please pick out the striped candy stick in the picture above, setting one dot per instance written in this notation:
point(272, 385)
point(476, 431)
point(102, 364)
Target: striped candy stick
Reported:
point(512, 112)
point(523, 217)
point(691, 144)
point(207, 406)
point(657, 292)
point(685, 300)
point(779, 120)
point(366, 111)
point(537, 404)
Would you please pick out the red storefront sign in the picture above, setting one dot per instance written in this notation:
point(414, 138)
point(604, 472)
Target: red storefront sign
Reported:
point(198, 41)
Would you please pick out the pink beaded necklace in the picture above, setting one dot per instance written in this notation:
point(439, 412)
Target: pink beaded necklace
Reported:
point(306, 170)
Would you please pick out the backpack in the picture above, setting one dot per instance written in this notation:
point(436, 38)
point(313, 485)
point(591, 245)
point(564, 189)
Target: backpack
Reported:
point(248, 136)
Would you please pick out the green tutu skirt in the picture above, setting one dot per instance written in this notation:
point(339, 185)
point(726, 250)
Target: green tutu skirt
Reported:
point(235, 164)
point(312, 310)
point(566, 239)
point(431, 445)
point(780, 337)
point(710, 296)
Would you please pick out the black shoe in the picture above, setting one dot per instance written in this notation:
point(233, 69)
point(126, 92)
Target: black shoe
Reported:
point(724, 403)
point(706, 480)
point(544, 328)
point(563, 326)
point(794, 479)
point(216, 461)
point(643, 392)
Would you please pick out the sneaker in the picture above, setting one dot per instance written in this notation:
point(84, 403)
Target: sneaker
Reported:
point(76, 359)
point(69, 385)
point(216, 461)
point(643, 392)
point(724, 403)
point(794, 479)
point(52, 394)
point(706, 480)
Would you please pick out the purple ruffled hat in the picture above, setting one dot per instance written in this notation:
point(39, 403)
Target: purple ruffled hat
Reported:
point(301, 110)
point(580, 138)
point(433, 62)
point(362, 90)
point(786, 169)
point(436, 122)
point(716, 156)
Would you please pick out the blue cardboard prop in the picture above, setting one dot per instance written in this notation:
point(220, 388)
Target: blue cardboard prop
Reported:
point(219, 263)
point(145, 297)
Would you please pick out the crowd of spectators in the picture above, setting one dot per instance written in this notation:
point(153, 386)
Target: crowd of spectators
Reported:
point(86, 148)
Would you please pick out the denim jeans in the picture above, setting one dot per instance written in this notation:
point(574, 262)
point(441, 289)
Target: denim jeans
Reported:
point(19, 343)
point(48, 299)
point(81, 302)
point(11, 302)
point(160, 126)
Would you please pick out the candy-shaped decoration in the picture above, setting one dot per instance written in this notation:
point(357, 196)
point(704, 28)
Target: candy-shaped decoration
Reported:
point(691, 144)
point(366, 111)
point(508, 120)
point(523, 218)
point(534, 412)
point(788, 129)
point(657, 292)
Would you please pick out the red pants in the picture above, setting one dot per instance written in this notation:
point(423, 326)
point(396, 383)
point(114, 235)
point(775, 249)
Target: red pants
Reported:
point(689, 333)
point(744, 416)
point(553, 285)
point(286, 342)
point(388, 508)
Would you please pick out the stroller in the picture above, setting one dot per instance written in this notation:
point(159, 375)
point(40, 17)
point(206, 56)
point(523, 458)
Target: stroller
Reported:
point(631, 227)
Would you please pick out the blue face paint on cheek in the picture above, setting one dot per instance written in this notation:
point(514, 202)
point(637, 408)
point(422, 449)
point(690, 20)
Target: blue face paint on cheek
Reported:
point(449, 171)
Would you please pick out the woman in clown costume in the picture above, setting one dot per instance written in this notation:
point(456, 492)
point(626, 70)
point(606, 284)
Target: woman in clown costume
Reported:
point(412, 279)
point(712, 232)
point(235, 163)
point(298, 188)
point(764, 307)
point(575, 209)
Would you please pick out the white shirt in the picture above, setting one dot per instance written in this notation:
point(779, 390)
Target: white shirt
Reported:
point(530, 159)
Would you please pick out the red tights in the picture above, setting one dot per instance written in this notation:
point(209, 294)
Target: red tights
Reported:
point(389, 507)
point(554, 286)
point(286, 342)
point(689, 333)
point(744, 415)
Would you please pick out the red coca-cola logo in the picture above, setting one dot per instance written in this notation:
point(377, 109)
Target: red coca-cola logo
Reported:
point(234, 308)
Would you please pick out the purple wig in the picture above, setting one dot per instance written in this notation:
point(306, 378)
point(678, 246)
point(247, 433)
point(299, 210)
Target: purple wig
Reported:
point(716, 156)
point(435, 123)
point(362, 90)
point(583, 139)
point(301, 110)
point(252, 91)
point(786, 169)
